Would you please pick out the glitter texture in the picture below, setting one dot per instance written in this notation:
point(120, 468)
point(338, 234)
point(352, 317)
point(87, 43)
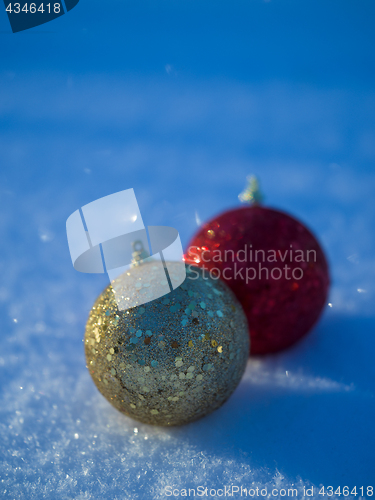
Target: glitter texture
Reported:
point(279, 310)
point(176, 374)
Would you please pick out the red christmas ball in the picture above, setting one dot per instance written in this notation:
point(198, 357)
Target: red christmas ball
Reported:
point(273, 264)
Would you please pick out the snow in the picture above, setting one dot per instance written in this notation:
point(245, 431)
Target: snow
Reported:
point(185, 142)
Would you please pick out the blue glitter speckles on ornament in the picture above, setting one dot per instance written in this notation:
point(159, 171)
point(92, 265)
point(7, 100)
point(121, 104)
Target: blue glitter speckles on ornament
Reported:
point(171, 360)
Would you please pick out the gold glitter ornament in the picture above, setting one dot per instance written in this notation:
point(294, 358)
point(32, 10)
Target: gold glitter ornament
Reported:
point(172, 360)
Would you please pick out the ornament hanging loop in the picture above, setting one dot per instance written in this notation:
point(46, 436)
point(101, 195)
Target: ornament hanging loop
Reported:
point(139, 253)
point(252, 193)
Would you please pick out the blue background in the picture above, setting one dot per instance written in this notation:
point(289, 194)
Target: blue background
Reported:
point(181, 100)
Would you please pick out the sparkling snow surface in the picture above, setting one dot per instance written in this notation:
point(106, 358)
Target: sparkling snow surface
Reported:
point(181, 100)
point(303, 417)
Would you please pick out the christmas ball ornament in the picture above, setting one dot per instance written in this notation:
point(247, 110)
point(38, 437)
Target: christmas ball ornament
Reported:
point(169, 361)
point(273, 264)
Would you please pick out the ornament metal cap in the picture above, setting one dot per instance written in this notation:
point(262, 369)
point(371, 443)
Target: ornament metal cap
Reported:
point(106, 235)
point(252, 193)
